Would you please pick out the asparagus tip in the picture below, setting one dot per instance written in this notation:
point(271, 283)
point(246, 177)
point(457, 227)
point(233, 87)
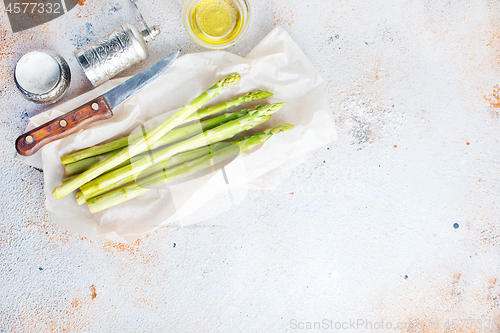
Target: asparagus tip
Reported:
point(266, 109)
point(282, 128)
point(230, 80)
point(270, 109)
point(256, 95)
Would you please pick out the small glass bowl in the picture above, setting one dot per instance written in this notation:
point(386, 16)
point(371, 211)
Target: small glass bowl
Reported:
point(187, 18)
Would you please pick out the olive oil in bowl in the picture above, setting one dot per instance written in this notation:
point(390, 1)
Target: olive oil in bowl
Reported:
point(217, 23)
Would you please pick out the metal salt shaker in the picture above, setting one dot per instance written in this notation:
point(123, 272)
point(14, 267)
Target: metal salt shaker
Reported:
point(115, 52)
point(42, 76)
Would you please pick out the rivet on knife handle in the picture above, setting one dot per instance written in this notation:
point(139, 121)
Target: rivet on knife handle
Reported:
point(67, 124)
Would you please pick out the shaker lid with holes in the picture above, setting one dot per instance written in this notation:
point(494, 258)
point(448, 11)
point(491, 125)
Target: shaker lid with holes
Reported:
point(42, 76)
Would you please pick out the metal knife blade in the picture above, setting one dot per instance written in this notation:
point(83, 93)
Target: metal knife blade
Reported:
point(119, 94)
point(99, 108)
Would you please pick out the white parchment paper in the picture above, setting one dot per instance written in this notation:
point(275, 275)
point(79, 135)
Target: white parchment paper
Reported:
point(276, 64)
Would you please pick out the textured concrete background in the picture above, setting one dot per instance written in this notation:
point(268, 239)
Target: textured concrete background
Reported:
point(398, 221)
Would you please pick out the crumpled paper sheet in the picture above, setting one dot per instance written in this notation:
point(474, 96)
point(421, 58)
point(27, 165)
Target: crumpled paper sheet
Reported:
point(276, 64)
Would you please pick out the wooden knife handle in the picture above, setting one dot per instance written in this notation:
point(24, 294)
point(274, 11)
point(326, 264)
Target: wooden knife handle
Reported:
point(67, 124)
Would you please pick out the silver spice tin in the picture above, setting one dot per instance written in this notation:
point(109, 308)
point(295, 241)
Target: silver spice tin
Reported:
point(52, 93)
point(115, 52)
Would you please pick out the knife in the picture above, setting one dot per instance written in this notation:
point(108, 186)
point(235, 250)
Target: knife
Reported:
point(97, 109)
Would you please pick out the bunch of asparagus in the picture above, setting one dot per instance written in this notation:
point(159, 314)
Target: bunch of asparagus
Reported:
point(188, 142)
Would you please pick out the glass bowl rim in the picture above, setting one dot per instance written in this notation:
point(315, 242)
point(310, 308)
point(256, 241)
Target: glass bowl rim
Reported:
point(189, 4)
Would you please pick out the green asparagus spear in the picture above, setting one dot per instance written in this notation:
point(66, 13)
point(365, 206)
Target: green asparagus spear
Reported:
point(143, 144)
point(65, 180)
point(253, 96)
point(205, 125)
point(120, 143)
point(250, 142)
point(186, 169)
point(110, 178)
point(178, 172)
point(245, 144)
point(77, 167)
point(103, 184)
point(254, 117)
point(171, 137)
